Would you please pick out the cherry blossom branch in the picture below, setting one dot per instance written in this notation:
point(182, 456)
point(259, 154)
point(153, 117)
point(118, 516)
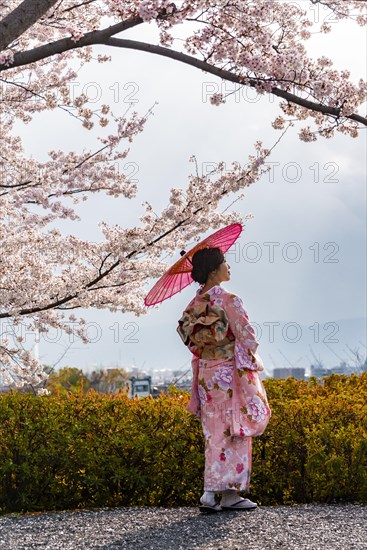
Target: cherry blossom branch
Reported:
point(102, 275)
point(228, 75)
point(78, 5)
point(105, 37)
point(66, 44)
point(334, 6)
point(32, 93)
point(56, 304)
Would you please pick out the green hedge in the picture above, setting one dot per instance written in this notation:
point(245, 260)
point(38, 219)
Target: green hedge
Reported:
point(61, 452)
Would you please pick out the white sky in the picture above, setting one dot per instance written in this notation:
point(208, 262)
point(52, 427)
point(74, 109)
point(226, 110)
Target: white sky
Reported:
point(325, 215)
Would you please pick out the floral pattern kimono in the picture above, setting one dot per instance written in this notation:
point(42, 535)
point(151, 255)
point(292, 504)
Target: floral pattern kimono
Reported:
point(227, 393)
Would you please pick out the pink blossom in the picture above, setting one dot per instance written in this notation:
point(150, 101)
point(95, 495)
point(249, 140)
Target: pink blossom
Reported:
point(307, 135)
point(217, 99)
point(6, 58)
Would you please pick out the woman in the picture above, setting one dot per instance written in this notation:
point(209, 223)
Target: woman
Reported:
point(227, 393)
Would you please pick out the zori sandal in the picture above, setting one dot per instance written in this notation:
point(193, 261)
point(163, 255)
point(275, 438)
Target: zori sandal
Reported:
point(243, 504)
point(210, 509)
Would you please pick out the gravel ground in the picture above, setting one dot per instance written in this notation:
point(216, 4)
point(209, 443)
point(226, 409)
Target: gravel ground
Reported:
point(306, 527)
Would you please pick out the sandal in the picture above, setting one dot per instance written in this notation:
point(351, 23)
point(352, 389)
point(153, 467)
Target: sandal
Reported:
point(243, 504)
point(210, 508)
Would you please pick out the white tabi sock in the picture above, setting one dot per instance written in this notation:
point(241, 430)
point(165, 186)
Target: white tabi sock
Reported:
point(229, 497)
point(208, 498)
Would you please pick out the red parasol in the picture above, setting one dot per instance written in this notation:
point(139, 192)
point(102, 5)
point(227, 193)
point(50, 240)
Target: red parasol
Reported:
point(178, 275)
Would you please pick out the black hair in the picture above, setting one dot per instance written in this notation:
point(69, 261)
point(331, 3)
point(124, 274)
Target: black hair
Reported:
point(204, 261)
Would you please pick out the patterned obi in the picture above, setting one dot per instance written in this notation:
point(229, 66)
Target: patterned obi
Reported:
point(204, 328)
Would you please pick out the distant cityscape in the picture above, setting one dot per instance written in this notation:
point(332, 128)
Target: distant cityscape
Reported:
point(317, 369)
point(142, 382)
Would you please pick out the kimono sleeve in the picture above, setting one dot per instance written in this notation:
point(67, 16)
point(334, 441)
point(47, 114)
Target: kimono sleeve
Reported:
point(245, 337)
point(194, 404)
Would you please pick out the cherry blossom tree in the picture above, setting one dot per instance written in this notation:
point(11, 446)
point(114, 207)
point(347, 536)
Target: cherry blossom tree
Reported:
point(46, 276)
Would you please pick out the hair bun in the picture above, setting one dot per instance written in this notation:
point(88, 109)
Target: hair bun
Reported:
point(199, 274)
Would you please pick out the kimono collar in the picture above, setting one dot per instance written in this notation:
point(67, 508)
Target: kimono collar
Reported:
point(214, 290)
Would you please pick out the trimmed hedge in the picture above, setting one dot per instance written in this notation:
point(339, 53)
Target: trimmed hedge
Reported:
point(315, 446)
point(60, 452)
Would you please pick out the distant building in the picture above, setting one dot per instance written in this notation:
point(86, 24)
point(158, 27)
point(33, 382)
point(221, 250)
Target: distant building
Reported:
point(319, 371)
point(142, 387)
point(184, 386)
point(286, 372)
point(343, 368)
point(339, 369)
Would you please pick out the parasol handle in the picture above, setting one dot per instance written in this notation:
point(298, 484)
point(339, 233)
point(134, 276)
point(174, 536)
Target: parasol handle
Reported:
point(182, 253)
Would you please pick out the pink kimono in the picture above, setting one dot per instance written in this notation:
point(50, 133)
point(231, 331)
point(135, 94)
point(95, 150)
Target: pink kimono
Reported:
point(227, 393)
